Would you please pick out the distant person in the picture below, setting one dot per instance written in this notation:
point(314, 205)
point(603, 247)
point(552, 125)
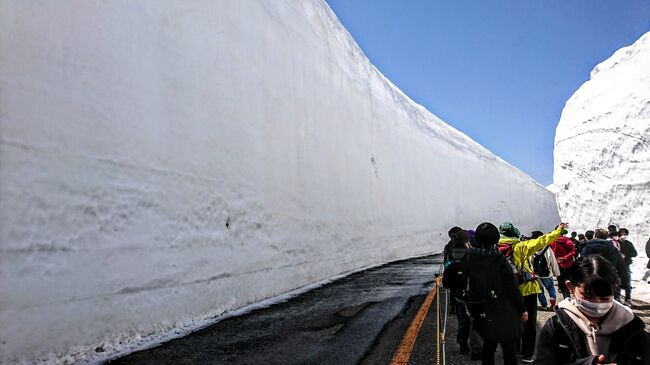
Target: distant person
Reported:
point(446, 257)
point(614, 238)
point(628, 252)
point(492, 297)
point(589, 235)
point(599, 245)
point(582, 241)
point(612, 228)
point(591, 328)
point(574, 238)
point(545, 266)
point(454, 278)
point(446, 252)
point(521, 253)
point(565, 253)
point(472, 237)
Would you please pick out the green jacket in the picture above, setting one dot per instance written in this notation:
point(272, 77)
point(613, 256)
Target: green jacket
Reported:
point(522, 251)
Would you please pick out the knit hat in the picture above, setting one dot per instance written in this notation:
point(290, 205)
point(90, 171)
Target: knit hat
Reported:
point(509, 230)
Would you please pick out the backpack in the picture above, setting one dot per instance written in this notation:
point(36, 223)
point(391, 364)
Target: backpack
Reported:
point(521, 276)
point(480, 296)
point(540, 264)
point(454, 276)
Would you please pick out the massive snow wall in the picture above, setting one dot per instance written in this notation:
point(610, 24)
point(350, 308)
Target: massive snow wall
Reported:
point(163, 163)
point(602, 146)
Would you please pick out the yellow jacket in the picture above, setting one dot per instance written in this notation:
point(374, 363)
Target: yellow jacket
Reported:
point(522, 251)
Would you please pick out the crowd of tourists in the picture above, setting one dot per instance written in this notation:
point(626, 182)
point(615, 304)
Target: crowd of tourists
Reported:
point(496, 276)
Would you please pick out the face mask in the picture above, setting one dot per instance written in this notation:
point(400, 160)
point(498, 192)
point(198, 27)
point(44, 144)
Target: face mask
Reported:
point(593, 309)
point(623, 238)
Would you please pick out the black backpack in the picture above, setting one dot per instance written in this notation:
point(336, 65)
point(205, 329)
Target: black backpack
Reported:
point(481, 295)
point(454, 276)
point(540, 264)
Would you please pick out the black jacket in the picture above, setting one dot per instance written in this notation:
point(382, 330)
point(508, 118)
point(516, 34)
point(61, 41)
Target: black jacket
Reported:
point(504, 304)
point(627, 249)
point(562, 342)
point(607, 250)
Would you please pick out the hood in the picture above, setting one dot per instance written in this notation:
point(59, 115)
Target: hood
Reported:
point(615, 319)
point(563, 239)
point(599, 243)
point(508, 241)
point(492, 251)
point(458, 253)
point(598, 336)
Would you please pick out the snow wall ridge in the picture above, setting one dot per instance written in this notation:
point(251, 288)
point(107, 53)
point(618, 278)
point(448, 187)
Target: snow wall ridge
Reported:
point(462, 138)
point(621, 55)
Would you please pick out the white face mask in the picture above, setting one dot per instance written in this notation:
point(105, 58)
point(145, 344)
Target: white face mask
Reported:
point(592, 309)
point(623, 238)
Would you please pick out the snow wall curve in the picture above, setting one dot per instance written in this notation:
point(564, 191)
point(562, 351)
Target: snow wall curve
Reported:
point(164, 163)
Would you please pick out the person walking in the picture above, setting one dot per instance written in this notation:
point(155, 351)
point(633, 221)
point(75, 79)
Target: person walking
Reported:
point(601, 246)
point(628, 252)
point(454, 278)
point(614, 238)
point(612, 228)
point(590, 327)
point(565, 254)
point(545, 266)
point(492, 297)
point(521, 252)
point(446, 257)
point(582, 241)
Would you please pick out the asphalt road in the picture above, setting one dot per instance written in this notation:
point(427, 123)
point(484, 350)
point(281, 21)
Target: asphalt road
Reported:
point(360, 319)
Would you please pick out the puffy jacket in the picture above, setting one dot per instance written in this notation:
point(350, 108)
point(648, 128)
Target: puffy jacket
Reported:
point(522, 251)
point(607, 250)
point(564, 251)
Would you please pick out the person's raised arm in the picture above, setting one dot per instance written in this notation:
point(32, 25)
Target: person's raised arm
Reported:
point(531, 246)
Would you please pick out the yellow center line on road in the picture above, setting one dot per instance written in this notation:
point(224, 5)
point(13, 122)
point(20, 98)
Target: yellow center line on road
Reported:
point(403, 353)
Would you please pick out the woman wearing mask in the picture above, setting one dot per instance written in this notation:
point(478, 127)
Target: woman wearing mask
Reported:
point(590, 327)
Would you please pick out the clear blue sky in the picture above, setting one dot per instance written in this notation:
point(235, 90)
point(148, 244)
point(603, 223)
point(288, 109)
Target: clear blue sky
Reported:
point(499, 71)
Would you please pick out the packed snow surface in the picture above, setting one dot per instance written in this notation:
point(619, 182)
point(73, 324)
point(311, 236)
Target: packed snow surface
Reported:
point(602, 151)
point(163, 164)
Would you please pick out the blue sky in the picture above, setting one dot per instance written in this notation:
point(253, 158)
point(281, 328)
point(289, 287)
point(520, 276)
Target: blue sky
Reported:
point(499, 71)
